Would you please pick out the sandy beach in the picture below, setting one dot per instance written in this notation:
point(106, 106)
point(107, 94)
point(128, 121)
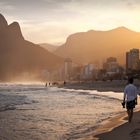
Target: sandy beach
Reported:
point(36, 112)
point(119, 128)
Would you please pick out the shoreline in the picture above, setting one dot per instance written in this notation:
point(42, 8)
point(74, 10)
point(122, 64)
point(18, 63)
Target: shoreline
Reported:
point(107, 126)
point(117, 127)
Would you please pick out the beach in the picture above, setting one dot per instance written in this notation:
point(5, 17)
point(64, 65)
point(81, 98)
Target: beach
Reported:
point(50, 113)
point(117, 127)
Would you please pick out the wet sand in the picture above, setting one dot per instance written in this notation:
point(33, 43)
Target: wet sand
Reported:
point(119, 128)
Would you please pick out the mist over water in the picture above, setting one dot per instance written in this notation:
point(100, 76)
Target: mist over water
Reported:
point(34, 112)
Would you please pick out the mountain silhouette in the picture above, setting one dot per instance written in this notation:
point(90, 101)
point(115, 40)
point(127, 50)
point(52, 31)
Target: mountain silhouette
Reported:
point(93, 46)
point(3, 22)
point(19, 57)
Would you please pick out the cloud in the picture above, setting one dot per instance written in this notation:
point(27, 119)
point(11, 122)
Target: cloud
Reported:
point(5, 6)
point(54, 20)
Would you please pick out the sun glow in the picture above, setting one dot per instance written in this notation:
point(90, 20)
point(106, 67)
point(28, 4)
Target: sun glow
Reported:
point(54, 21)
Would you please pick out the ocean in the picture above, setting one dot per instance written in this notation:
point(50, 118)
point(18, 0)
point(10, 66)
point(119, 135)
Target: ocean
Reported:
point(36, 112)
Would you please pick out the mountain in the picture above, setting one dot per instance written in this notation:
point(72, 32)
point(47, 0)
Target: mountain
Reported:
point(19, 57)
point(49, 47)
point(96, 46)
point(3, 22)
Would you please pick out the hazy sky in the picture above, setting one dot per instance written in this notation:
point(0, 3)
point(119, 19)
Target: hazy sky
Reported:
point(52, 21)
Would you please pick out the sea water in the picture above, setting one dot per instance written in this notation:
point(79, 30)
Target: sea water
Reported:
point(36, 112)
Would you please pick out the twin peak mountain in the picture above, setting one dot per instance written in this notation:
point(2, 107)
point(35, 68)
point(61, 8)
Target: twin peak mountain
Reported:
point(19, 56)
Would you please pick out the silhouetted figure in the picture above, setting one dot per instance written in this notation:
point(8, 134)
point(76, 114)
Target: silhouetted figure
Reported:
point(46, 84)
point(55, 83)
point(130, 98)
point(64, 83)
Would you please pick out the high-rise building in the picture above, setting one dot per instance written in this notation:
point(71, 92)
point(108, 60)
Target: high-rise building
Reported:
point(67, 68)
point(132, 59)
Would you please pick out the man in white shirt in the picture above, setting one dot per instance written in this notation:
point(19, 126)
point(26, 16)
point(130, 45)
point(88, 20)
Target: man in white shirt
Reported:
point(130, 97)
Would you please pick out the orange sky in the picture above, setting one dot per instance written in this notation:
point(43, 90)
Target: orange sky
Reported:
point(52, 21)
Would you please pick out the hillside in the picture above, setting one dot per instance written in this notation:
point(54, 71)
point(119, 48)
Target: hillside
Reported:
point(20, 57)
point(96, 46)
point(49, 47)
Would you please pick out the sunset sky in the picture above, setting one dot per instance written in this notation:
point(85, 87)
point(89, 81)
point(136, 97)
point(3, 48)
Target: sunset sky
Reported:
point(51, 21)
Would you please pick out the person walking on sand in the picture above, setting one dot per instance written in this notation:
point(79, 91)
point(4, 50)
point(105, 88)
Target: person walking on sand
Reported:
point(130, 98)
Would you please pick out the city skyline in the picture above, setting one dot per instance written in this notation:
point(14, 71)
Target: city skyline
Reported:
point(52, 22)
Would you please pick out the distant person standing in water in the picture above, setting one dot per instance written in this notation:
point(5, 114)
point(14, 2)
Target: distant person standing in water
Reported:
point(64, 83)
point(130, 98)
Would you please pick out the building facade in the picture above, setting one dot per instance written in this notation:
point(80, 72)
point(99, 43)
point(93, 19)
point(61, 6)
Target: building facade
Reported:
point(132, 59)
point(67, 69)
